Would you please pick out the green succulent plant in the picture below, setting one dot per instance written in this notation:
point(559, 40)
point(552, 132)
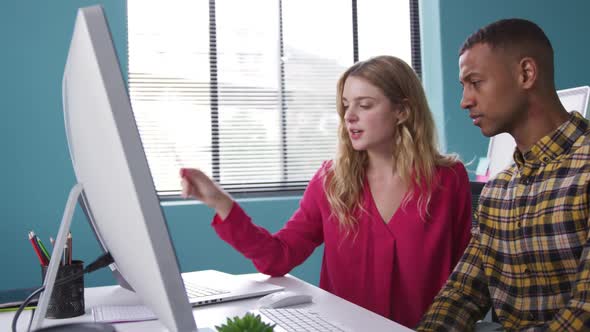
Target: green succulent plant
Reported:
point(248, 323)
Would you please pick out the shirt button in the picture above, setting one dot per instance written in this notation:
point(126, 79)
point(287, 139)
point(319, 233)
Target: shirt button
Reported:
point(518, 224)
point(526, 270)
point(531, 316)
point(546, 159)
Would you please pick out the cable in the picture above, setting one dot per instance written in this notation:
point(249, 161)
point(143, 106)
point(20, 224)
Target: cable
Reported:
point(23, 305)
point(99, 263)
point(31, 319)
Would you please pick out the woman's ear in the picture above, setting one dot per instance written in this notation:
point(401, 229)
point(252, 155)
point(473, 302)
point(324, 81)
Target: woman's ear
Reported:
point(403, 112)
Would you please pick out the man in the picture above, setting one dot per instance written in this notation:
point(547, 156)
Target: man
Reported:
point(529, 259)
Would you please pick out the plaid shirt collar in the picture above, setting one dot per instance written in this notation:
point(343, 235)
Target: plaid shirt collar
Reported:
point(556, 143)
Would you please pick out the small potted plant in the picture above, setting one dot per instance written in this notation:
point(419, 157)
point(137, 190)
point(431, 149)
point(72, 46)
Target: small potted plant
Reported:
point(248, 323)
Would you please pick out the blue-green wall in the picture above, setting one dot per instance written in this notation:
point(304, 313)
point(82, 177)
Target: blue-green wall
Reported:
point(36, 173)
point(432, 70)
point(565, 23)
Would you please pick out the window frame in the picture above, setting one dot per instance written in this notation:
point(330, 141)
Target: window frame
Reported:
point(292, 189)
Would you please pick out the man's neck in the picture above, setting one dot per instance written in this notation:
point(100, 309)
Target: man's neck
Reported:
point(543, 117)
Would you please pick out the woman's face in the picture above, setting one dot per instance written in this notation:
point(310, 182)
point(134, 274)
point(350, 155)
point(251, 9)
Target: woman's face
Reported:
point(370, 117)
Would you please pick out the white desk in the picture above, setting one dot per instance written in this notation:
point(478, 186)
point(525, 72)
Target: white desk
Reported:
point(330, 307)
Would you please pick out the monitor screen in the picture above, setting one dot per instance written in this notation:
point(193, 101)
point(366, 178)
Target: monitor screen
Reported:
point(111, 166)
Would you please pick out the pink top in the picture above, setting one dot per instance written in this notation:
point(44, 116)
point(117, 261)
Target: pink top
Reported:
point(393, 269)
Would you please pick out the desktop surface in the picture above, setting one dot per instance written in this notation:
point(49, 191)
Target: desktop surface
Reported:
point(329, 306)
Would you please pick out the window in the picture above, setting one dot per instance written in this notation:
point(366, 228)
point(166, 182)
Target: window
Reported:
point(246, 90)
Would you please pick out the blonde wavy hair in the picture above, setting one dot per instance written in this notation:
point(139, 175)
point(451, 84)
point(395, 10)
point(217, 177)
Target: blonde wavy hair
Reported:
point(415, 144)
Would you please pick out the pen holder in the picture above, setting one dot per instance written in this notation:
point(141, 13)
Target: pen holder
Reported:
point(66, 300)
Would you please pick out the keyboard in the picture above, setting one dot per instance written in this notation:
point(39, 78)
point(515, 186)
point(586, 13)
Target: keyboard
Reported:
point(194, 291)
point(295, 320)
point(122, 313)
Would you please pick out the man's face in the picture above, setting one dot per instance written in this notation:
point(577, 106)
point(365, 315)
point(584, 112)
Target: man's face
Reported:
point(491, 90)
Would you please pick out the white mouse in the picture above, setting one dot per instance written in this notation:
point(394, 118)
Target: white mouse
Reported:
point(283, 299)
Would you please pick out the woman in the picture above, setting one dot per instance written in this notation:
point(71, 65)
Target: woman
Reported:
point(394, 214)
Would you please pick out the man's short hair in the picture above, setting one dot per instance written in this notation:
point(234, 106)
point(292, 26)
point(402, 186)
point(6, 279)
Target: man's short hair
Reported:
point(518, 36)
point(506, 33)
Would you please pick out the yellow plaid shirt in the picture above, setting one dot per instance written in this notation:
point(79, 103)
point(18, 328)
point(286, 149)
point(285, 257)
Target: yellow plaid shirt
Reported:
point(530, 256)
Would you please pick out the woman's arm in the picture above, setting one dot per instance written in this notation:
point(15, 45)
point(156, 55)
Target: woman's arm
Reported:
point(273, 254)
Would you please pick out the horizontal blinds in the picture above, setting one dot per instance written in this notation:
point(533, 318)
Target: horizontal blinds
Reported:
point(315, 55)
point(415, 47)
point(250, 137)
point(384, 28)
point(244, 90)
point(169, 85)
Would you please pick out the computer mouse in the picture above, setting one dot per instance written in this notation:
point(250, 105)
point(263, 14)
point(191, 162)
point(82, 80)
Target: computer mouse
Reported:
point(82, 327)
point(283, 299)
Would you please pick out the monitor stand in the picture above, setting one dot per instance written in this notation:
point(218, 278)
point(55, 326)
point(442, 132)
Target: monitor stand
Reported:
point(56, 254)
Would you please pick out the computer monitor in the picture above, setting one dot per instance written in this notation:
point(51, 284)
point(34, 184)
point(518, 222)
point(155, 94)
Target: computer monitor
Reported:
point(110, 165)
point(501, 147)
point(90, 218)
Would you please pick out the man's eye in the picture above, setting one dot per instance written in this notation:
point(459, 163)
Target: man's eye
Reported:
point(365, 106)
point(475, 83)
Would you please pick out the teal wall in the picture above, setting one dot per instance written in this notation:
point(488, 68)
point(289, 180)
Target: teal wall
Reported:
point(36, 173)
point(565, 23)
point(432, 70)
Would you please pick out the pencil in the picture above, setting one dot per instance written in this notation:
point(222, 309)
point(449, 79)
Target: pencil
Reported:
point(69, 248)
point(65, 254)
point(43, 249)
point(36, 248)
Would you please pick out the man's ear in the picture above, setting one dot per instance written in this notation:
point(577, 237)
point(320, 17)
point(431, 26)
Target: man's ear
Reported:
point(529, 72)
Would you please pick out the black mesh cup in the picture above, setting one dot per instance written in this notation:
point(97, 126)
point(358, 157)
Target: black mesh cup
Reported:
point(67, 300)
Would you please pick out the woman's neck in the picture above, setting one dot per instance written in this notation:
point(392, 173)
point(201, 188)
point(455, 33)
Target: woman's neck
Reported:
point(380, 165)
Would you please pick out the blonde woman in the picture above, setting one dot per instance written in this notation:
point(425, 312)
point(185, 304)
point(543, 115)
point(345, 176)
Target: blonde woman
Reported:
point(394, 214)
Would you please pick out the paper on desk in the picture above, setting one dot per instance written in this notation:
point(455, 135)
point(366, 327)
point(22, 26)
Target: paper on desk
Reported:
point(122, 313)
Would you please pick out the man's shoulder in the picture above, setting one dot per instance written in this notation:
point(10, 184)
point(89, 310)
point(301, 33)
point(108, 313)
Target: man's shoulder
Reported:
point(502, 178)
point(581, 146)
point(577, 159)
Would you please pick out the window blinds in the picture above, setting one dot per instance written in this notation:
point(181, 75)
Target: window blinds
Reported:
point(246, 90)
